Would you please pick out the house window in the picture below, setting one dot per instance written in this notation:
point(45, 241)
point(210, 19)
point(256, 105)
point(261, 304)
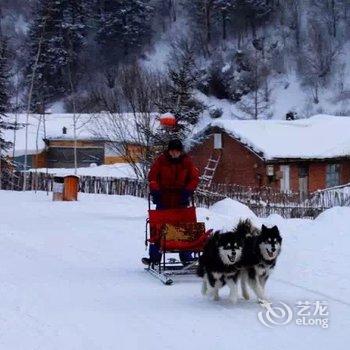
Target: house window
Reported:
point(285, 179)
point(303, 171)
point(333, 175)
point(63, 157)
point(217, 141)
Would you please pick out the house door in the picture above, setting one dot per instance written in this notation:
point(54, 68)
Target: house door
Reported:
point(285, 179)
point(303, 181)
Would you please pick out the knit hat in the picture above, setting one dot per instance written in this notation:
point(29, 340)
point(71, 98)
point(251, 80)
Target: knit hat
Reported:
point(175, 144)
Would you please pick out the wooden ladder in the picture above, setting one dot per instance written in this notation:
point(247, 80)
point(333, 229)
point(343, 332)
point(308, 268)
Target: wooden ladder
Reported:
point(209, 172)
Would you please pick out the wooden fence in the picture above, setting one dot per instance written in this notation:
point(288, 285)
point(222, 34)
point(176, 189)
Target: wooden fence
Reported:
point(87, 184)
point(263, 201)
point(332, 197)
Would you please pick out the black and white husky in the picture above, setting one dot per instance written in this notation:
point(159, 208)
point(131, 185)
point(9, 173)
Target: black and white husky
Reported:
point(218, 265)
point(259, 257)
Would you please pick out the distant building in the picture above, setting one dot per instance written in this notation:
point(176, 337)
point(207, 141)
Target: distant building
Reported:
point(51, 143)
point(299, 155)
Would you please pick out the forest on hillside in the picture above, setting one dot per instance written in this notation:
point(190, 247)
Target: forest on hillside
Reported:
point(257, 58)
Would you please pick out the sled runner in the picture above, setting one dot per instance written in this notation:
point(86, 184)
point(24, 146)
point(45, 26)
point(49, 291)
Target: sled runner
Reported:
point(174, 231)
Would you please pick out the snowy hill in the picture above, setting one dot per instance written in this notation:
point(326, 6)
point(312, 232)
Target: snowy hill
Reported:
point(278, 55)
point(71, 278)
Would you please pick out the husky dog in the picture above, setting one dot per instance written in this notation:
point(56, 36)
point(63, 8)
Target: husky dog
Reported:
point(260, 255)
point(218, 265)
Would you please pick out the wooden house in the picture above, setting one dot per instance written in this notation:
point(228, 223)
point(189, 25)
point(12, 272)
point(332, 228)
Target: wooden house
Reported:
point(51, 144)
point(298, 155)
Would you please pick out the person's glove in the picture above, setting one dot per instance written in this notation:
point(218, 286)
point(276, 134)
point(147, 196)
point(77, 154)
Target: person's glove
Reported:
point(155, 197)
point(185, 197)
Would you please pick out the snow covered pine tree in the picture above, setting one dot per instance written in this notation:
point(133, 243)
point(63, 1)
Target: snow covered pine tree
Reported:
point(123, 28)
point(180, 100)
point(59, 27)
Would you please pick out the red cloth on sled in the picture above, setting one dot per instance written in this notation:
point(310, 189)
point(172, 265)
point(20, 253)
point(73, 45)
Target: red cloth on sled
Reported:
point(157, 220)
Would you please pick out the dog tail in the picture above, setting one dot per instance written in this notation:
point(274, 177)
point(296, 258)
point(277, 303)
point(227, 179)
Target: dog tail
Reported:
point(245, 228)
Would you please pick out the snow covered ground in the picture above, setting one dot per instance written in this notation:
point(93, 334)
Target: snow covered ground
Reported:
point(71, 279)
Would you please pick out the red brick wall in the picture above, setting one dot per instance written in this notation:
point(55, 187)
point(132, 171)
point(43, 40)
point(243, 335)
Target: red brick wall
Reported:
point(202, 152)
point(318, 171)
point(317, 176)
point(294, 177)
point(293, 180)
point(345, 172)
point(237, 165)
point(240, 166)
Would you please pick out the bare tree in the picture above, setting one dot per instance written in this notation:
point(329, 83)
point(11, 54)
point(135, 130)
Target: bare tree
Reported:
point(30, 94)
point(329, 12)
point(130, 131)
point(15, 123)
point(129, 136)
point(202, 12)
point(75, 117)
point(257, 103)
point(319, 56)
point(292, 12)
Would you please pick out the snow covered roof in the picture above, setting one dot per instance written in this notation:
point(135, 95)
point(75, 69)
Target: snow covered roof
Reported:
point(319, 137)
point(113, 170)
point(53, 128)
point(87, 129)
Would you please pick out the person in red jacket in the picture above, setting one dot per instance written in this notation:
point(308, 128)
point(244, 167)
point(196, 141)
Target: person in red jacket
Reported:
point(173, 179)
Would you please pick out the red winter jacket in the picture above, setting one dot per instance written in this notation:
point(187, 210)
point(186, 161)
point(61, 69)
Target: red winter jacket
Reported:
point(170, 176)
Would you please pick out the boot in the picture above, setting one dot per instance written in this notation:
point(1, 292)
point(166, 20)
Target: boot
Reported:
point(146, 261)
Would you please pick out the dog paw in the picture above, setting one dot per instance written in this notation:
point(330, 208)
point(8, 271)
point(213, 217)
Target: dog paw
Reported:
point(216, 298)
point(246, 296)
point(233, 300)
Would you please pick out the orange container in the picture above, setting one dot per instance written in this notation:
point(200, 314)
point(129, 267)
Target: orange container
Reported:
point(71, 188)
